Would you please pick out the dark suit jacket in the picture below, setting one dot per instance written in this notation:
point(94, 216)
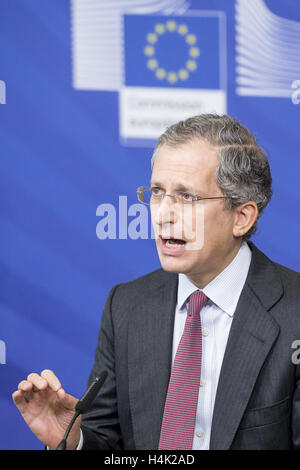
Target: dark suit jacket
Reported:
point(258, 396)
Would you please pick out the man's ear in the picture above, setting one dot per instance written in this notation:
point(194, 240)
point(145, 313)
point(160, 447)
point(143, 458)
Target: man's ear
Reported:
point(245, 216)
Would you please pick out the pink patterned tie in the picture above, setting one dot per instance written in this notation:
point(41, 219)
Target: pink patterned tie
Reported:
point(177, 431)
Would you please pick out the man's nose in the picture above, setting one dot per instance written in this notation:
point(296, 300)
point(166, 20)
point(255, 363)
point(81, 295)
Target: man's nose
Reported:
point(166, 211)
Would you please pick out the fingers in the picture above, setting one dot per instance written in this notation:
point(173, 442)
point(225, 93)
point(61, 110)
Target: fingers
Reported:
point(51, 379)
point(25, 386)
point(36, 383)
point(18, 397)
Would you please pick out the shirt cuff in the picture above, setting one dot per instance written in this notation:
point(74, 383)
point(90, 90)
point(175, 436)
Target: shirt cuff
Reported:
point(80, 444)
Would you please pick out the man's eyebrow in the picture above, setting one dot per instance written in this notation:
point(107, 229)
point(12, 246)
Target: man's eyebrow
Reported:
point(154, 183)
point(182, 187)
point(189, 189)
point(179, 187)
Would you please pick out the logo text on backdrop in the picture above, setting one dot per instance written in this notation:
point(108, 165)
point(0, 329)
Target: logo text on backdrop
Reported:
point(174, 68)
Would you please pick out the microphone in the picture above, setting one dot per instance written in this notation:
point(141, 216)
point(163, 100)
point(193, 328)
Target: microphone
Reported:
point(83, 405)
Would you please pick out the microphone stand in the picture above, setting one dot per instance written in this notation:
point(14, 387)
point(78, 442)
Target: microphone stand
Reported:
point(83, 405)
point(63, 443)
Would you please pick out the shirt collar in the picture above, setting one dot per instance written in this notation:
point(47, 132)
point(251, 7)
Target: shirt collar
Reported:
point(225, 289)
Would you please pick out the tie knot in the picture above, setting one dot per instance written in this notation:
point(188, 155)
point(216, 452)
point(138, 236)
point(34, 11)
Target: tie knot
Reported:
point(197, 301)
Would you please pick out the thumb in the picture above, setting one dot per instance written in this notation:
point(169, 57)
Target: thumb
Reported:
point(66, 400)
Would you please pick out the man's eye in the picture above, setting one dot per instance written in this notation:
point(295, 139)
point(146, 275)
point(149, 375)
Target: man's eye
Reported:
point(187, 196)
point(156, 191)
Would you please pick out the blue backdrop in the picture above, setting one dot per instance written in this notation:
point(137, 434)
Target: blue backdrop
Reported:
point(61, 156)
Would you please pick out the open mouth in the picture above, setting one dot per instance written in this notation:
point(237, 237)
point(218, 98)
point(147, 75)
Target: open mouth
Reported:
point(173, 245)
point(174, 242)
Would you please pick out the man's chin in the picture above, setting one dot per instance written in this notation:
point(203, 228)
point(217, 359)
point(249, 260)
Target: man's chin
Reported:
point(172, 264)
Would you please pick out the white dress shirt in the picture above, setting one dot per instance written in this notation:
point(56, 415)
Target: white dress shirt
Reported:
point(216, 318)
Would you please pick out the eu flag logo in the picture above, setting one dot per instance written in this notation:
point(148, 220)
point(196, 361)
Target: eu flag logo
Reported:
point(172, 51)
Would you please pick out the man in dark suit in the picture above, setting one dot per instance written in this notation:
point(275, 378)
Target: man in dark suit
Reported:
point(199, 354)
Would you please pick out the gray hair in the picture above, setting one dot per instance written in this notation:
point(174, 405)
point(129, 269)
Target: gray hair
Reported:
point(243, 173)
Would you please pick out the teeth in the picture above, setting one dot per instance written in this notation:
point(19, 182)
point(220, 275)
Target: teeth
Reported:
point(168, 243)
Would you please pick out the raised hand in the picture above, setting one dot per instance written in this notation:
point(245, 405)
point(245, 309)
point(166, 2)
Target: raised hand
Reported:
point(47, 409)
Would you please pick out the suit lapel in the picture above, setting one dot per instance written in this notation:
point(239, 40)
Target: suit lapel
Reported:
point(251, 337)
point(150, 338)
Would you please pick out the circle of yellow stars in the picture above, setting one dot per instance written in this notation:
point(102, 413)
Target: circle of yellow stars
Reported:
point(161, 73)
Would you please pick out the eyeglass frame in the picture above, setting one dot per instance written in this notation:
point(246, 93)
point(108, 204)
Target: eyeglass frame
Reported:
point(195, 196)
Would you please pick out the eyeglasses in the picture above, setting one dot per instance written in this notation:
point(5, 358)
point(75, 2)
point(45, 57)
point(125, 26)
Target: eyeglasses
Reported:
point(156, 195)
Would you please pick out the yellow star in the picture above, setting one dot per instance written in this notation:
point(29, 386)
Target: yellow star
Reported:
point(152, 64)
point(149, 50)
point(191, 39)
point(152, 38)
point(160, 74)
point(172, 77)
point(194, 52)
point(191, 65)
point(171, 25)
point(159, 28)
point(183, 74)
point(182, 29)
